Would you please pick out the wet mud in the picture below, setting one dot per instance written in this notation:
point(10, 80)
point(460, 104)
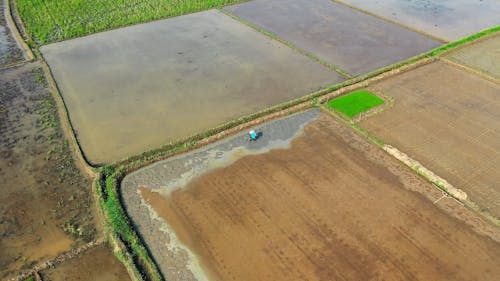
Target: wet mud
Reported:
point(173, 257)
point(98, 264)
point(330, 205)
point(483, 56)
point(353, 41)
point(45, 202)
point(10, 52)
point(449, 20)
point(447, 119)
point(137, 88)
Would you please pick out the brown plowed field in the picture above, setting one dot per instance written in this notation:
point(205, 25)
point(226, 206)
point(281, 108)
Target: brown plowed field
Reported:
point(332, 207)
point(448, 119)
point(481, 56)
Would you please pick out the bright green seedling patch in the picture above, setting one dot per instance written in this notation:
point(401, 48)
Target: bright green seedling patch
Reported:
point(355, 103)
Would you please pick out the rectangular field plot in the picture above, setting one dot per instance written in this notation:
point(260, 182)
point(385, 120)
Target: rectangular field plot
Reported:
point(483, 56)
point(449, 20)
point(449, 120)
point(324, 204)
point(136, 88)
point(353, 41)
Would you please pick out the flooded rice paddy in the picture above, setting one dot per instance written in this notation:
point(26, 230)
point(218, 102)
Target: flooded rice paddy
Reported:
point(136, 88)
point(449, 20)
point(353, 41)
point(45, 201)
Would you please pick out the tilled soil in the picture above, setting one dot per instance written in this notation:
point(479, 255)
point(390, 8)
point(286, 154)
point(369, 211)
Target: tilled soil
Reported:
point(448, 119)
point(45, 202)
point(333, 206)
point(10, 52)
point(481, 56)
point(174, 259)
point(98, 264)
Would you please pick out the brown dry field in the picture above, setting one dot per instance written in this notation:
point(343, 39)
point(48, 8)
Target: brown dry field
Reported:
point(332, 207)
point(481, 55)
point(98, 264)
point(449, 120)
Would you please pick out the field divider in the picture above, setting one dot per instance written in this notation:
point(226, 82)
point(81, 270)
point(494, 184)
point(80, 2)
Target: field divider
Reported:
point(469, 69)
point(288, 44)
point(391, 21)
point(436, 181)
point(28, 54)
point(66, 124)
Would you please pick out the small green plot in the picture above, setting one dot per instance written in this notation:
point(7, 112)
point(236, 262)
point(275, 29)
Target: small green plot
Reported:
point(355, 103)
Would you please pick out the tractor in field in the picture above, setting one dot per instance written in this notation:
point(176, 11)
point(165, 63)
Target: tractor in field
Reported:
point(253, 135)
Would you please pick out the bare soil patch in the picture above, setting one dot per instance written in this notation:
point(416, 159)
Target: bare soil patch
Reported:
point(481, 56)
point(45, 202)
point(98, 264)
point(448, 119)
point(332, 206)
point(351, 40)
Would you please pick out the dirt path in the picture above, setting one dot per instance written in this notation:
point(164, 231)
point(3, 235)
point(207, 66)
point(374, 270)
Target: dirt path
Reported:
point(45, 202)
point(10, 52)
point(332, 207)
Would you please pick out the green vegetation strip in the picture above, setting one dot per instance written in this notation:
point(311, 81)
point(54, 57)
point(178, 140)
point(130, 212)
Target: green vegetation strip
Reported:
point(135, 255)
point(355, 103)
point(56, 20)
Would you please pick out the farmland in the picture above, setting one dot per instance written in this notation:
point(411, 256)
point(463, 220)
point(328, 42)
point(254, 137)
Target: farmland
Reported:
point(125, 151)
point(330, 205)
point(454, 129)
point(142, 93)
point(49, 21)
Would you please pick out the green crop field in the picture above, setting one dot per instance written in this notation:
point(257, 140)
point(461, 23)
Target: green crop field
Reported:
point(55, 20)
point(355, 103)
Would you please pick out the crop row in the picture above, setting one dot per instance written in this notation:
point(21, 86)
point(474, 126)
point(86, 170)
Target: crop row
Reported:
point(55, 20)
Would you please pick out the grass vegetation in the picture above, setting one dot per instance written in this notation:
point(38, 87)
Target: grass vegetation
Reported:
point(56, 20)
point(355, 103)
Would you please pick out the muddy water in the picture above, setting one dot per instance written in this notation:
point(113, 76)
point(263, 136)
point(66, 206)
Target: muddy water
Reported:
point(10, 52)
point(450, 20)
point(98, 264)
point(45, 203)
point(330, 207)
point(483, 56)
point(355, 42)
point(139, 87)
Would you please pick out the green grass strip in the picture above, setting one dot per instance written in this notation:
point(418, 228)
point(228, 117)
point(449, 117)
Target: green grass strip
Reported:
point(355, 103)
